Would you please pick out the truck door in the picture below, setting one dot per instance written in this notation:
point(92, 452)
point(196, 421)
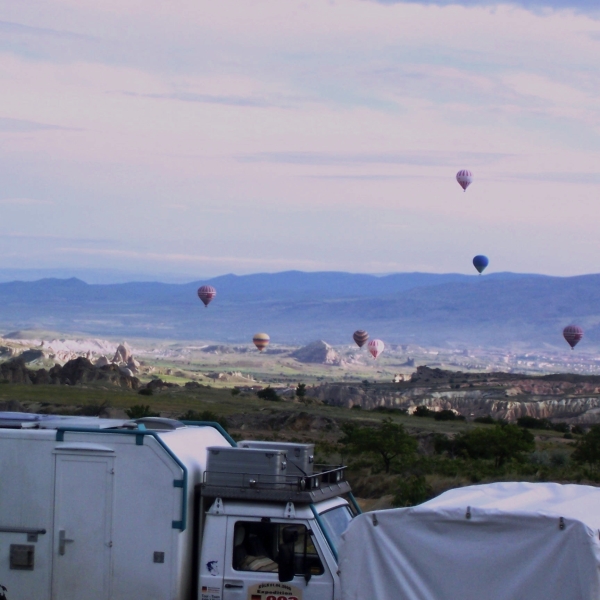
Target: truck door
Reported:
point(251, 569)
point(82, 526)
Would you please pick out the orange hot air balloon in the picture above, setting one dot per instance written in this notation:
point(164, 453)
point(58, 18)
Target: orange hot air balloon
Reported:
point(206, 293)
point(360, 337)
point(261, 340)
point(376, 347)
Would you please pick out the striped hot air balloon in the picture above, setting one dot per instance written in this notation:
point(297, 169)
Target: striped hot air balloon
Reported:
point(206, 293)
point(464, 178)
point(573, 335)
point(376, 347)
point(261, 340)
point(360, 337)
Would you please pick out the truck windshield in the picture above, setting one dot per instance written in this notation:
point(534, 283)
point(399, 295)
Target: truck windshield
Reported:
point(335, 521)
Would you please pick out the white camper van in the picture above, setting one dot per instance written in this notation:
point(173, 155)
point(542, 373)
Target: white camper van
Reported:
point(158, 509)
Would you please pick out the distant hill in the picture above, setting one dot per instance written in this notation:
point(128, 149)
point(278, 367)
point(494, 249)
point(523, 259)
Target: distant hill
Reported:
point(496, 310)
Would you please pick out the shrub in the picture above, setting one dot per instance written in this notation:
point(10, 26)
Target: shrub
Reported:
point(146, 391)
point(412, 490)
point(205, 415)
point(588, 447)
point(139, 411)
point(533, 423)
point(235, 392)
point(268, 393)
point(422, 411)
point(444, 415)
point(488, 420)
point(502, 443)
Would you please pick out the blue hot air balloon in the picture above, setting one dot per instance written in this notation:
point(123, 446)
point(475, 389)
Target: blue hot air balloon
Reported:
point(480, 262)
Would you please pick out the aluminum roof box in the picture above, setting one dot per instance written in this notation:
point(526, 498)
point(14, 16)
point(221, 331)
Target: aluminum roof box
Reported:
point(246, 467)
point(300, 457)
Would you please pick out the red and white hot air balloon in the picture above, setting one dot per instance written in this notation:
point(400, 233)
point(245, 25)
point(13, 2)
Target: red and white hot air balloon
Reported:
point(375, 347)
point(464, 178)
point(573, 335)
point(206, 293)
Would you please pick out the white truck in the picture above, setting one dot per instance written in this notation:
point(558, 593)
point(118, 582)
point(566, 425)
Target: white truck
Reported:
point(158, 509)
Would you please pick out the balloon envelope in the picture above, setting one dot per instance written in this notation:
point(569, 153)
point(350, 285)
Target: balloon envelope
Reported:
point(206, 293)
point(464, 178)
point(573, 335)
point(376, 347)
point(261, 340)
point(360, 337)
point(480, 262)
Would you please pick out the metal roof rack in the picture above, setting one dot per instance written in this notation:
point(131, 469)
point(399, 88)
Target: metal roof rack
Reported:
point(329, 482)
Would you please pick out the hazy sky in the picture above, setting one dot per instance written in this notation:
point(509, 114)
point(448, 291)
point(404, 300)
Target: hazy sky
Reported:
point(203, 138)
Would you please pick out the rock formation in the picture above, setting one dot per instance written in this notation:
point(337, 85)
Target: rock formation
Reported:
point(79, 370)
point(570, 398)
point(123, 354)
point(318, 352)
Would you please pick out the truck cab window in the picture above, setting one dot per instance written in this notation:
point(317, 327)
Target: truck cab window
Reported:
point(336, 521)
point(256, 548)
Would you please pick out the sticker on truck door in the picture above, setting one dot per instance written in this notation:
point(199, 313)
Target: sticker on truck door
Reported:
point(274, 591)
point(211, 593)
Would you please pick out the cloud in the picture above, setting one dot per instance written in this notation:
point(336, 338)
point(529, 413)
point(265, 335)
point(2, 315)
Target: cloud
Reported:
point(8, 125)
point(348, 159)
point(586, 5)
point(208, 99)
point(576, 178)
point(7, 27)
point(25, 202)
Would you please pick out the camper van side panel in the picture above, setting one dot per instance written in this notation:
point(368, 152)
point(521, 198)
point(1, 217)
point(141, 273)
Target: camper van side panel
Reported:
point(26, 501)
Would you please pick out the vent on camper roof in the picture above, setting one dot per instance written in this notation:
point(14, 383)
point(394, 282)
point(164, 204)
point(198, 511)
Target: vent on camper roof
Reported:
point(160, 424)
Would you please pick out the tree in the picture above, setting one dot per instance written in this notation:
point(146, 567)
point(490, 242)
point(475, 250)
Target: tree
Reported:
point(588, 447)
point(422, 411)
point(501, 443)
point(301, 391)
point(268, 393)
point(389, 441)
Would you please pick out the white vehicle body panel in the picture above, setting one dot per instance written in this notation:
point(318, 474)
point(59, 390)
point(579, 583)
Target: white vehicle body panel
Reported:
point(525, 541)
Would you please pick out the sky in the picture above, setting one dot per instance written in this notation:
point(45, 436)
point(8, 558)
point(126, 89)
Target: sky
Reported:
point(197, 138)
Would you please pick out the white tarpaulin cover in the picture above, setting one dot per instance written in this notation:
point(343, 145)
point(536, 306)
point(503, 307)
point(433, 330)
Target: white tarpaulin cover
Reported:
point(502, 541)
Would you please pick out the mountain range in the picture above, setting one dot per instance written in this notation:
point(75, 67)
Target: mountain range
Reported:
point(500, 310)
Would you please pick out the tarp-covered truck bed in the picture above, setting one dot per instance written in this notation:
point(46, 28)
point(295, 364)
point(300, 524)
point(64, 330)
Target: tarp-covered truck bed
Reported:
point(502, 541)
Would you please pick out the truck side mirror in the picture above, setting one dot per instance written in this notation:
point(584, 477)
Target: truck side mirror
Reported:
point(287, 554)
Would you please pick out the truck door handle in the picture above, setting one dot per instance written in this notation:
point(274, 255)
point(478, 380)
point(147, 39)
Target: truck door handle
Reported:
point(233, 585)
point(63, 541)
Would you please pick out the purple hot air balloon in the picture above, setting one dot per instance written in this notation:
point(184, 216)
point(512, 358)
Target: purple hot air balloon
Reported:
point(573, 335)
point(360, 337)
point(206, 293)
point(464, 178)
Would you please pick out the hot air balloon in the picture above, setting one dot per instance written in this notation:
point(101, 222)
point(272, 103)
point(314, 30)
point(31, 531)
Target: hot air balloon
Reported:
point(261, 340)
point(573, 335)
point(360, 337)
point(480, 262)
point(464, 178)
point(376, 347)
point(206, 293)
